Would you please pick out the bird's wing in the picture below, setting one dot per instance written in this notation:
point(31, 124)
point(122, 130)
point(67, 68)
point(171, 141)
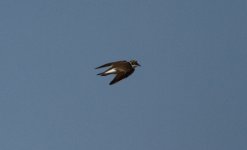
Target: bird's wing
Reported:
point(120, 76)
point(109, 64)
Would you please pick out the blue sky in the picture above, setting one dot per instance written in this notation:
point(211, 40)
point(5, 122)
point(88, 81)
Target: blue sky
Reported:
point(190, 92)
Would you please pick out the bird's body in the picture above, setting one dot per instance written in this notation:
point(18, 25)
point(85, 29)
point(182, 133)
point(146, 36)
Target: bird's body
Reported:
point(122, 69)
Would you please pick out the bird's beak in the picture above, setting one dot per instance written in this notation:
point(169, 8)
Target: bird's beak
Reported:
point(138, 65)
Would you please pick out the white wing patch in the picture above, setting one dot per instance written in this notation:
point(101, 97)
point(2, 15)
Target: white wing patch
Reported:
point(111, 71)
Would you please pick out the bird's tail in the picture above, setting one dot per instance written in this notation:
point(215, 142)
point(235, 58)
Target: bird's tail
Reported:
point(102, 74)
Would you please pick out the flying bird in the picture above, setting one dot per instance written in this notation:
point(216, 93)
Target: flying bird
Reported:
point(122, 69)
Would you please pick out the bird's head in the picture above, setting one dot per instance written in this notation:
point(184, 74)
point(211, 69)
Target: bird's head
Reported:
point(134, 63)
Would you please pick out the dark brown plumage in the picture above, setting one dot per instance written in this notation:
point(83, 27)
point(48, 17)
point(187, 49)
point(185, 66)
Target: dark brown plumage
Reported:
point(122, 69)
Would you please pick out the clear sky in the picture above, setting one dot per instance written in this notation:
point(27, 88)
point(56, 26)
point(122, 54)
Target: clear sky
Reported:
point(189, 94)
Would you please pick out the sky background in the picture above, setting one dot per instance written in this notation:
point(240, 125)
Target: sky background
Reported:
point(190, 92)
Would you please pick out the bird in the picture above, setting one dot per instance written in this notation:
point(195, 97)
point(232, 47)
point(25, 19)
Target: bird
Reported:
point(122, 69)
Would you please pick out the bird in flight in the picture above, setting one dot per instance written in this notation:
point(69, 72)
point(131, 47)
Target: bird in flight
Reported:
point(122, 69)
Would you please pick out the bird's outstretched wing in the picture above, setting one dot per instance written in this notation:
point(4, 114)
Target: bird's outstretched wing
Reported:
point(120, 76)
point(109, 64)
